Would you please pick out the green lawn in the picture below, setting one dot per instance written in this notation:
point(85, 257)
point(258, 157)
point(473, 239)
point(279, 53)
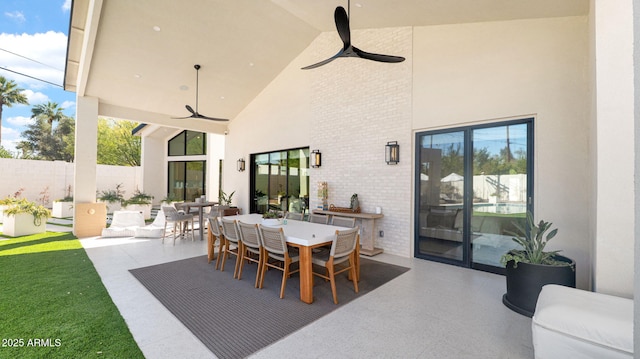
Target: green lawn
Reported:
point(53, 303)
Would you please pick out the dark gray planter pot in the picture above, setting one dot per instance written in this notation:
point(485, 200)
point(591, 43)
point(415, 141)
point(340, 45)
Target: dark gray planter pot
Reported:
point(525, 282)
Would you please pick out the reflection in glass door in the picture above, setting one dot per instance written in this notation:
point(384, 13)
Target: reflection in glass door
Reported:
point(501, 190)
point(472, 185)
point(280, 181)
point(441, 194)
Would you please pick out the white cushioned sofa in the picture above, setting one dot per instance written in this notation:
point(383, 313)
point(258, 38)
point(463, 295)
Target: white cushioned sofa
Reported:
point(574, 323)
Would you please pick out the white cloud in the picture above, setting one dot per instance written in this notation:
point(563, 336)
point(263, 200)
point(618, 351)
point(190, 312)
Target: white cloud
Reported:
point(66, 6)
point(17, 16)
point(35, 98)
point(49, 50)
point(16, 121)
point(10, 138)
point(68, 104)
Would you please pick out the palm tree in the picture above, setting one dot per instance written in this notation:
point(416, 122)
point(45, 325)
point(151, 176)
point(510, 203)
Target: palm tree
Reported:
point(49, 111)
point(10, 94)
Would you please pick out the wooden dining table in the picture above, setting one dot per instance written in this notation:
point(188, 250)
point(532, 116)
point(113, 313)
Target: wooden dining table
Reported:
point(305, 236)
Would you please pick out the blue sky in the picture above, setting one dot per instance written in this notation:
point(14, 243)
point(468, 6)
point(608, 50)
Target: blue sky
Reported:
point(33, 41)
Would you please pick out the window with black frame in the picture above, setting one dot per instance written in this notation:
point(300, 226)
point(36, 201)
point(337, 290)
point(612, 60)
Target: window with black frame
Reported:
point(188, 143)
point(280, 181)
point(186, 179)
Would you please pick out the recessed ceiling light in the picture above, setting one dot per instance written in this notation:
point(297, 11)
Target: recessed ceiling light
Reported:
point(358, 4)
point(222, 97)
point(156, 28)
point(184, 88)
point(137, 76)
point(251, 64)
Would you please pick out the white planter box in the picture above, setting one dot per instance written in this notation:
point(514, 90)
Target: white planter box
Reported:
point(2, 207)
point(22, 224)
point(62, 209)
point(144, 208)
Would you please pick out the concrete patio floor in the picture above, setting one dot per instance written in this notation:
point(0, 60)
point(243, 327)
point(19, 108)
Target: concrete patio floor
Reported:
point(432, 311)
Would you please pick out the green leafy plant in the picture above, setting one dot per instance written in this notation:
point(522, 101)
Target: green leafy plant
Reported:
point(36, 210)
point(65, 199)
point(8, 201)
point(139, 198)
point(270, 214)
point(116, 195)
point(170, 197)
point(533, 240)
point(225, 199)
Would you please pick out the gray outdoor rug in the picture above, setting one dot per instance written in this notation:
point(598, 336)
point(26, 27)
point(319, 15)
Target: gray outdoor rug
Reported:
point(231, 317)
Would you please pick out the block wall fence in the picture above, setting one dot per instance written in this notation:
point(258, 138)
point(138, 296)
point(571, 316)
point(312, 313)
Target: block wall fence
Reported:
point(54, 178)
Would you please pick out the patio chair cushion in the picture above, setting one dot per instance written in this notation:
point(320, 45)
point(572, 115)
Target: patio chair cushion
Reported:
point(570, 322)
point(153, 230)
point(124, 224)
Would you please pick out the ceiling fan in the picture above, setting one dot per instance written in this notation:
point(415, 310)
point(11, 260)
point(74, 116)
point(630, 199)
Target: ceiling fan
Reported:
point(196, 114)
point(348, 50)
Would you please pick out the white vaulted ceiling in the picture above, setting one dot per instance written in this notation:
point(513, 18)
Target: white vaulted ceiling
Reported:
point(242, 45)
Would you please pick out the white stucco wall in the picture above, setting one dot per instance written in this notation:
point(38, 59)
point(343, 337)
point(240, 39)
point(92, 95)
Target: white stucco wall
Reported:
point(636, 56)
point(154, 167)
point(492, 71)
point(615, 147)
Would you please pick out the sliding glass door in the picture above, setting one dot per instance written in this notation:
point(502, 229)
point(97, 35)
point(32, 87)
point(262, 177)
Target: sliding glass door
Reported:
point(472, 185)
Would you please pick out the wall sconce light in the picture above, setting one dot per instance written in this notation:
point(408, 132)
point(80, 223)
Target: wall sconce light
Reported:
point(241, 165)
point(316, 159)
point(392, 153)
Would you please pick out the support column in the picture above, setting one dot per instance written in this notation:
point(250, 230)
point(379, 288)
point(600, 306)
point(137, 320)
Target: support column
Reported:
point(615, 142)
point(90, 217)
point(636, 86)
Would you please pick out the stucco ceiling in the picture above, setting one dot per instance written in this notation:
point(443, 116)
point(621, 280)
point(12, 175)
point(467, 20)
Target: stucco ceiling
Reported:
point(140, 54)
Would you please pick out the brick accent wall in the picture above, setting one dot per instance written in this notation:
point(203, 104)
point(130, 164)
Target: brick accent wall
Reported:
point(358, 106)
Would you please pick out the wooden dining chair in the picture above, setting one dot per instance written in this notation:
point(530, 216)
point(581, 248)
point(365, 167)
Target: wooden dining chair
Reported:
point(318, 218)
point(251, 248)
point(232, 243)
point(343, 221)
point(214, 234)
point(340, 258)
point(275, 247)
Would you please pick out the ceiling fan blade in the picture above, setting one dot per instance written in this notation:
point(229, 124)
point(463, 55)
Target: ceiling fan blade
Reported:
point(324, 62)
point(182, 118)
point(190, 109)
point(377, 57)
point(342, 25)
point(210, 118)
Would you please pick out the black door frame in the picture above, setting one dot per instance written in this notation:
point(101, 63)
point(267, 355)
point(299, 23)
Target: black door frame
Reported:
point(467, 260)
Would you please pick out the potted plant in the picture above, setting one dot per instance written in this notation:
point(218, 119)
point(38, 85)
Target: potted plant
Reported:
point(6, 203)
point(63, 208)
point(113, 198)
point(141, 202)
point(225, 204)
point(531, 267)
point(24, 217)
point(169, 199)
